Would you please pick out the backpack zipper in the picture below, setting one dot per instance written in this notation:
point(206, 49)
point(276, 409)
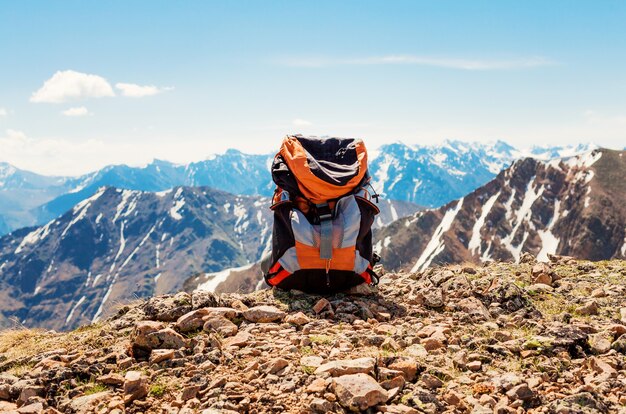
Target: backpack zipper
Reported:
point(327, 275)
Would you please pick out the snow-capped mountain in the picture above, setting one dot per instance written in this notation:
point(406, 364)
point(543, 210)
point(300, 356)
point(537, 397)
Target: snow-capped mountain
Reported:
point(434, 175)
point(571, 206)
point(119, 244)
point(425, 175)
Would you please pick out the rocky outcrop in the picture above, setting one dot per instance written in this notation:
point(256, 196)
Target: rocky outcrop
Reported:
point(491, 341)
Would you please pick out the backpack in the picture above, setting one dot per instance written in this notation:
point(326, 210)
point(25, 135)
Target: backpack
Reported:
point(323, 216)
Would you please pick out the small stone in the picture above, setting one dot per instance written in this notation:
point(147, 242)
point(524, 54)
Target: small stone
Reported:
point(541, 268)
point(320, 405)
point(321, 304)
point(452, 398)
point(358, 391)
point(240, 340)
point(264, 314)
point(276, 365)
point(431, 382)
point(30, 391)
point(407, 365)
point(474, 366)
point(620, 344)
point(160, 355)
point(433, 298)
point(431, 344)
point(318, 385)
point(598, 293)
point(502, 335)
point(590, 308)
point(298, 319)
point(474, 307)
point(191, 321)
point(33, 408)
point(543, 279)
point(348, 366)
point(111, 379)
point(540, 288)
point(311, 361)
point(601, 367)
point(189, 392)
point(521, 392)
point(220, 325)
point(142, 338)
point(87, 404)
point(135, 386)
point(622, 313)
point(600, 343)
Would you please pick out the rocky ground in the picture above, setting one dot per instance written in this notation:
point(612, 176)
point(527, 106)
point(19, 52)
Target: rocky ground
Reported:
point(504, 338)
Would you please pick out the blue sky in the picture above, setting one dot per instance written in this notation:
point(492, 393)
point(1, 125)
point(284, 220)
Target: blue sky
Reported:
point(182, 80)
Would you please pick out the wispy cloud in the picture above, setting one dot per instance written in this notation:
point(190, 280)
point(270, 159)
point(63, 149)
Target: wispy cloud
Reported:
point(132, 90)
point(68, 85)
point(441, 62)
point(76, 111)
point(3, 112)
point(301, 122)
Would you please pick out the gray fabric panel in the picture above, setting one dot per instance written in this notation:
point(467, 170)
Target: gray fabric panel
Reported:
point(349, 217)
point(302, 229)
point(289, 261)
point(360, 263)
point(345, 226)
point(326, 239)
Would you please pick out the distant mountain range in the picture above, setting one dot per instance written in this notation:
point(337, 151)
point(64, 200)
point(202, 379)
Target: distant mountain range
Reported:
point(574, 206)
point(425, 175)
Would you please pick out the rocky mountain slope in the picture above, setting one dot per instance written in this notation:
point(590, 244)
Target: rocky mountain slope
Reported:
point(425, 175)
point(571, 206)
point(455, 339)
point(120, 244)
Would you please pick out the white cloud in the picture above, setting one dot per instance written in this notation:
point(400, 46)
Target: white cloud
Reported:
point(442, 62)
point(70, 85)
point(3, 112)
point(301, 122)
point(76, 111)
point(132, 90)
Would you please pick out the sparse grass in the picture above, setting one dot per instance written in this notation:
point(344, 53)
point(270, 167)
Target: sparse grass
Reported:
point(95, 388)
point(306, 350)
point(308, 370)
point(163, 386)
point(321, 339)
point(20, 369)
point(157, 390)
point(551, 304)
point(22, 343)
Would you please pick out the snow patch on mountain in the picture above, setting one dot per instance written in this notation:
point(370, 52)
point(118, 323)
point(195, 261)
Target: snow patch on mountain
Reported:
point(436, 244)
point(474, 243)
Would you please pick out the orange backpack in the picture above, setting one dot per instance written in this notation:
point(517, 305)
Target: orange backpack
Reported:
point(323, 214)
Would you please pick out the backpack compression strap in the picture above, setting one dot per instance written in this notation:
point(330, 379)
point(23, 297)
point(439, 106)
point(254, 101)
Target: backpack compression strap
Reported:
point(326, 230)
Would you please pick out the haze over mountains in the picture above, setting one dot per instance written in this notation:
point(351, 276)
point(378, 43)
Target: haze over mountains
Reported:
point(426, 175)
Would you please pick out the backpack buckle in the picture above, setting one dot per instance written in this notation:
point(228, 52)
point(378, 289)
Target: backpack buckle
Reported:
point(324, 212)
